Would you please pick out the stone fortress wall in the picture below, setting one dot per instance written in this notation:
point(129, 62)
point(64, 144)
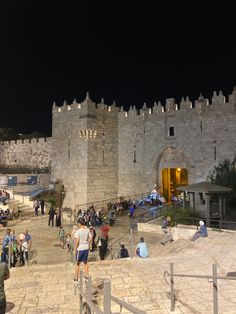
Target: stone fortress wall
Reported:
point(100, 151)
point(31, 153)
point(171, 136)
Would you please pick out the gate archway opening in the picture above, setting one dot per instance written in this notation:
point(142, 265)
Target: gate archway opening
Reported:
point(171, 179)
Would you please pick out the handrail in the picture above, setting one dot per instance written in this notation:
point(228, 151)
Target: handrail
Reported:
point(214, 278)
point(111, 246)
point(107, 298)
point(127, 306)
point(103, 202)
point(118, 240)
point(112, 199)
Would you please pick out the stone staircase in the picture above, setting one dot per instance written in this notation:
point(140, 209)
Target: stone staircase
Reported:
point(139, 282)
point(46, 286)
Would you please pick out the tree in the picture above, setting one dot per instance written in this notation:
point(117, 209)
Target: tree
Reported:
point(7, 134)
point(225, 174)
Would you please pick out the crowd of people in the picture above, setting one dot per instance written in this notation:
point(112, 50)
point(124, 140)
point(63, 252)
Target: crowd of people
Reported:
point(16, 248)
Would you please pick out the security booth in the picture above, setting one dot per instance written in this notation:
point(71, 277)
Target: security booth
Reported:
point(208, 199)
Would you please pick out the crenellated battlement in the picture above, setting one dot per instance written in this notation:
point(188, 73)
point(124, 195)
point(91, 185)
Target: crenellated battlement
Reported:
point(27, 141)
point(201, 105)
point(84, 106)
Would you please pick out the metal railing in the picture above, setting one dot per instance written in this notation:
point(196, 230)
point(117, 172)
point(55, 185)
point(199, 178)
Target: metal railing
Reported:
point(215, 224)
point(127, 239)
point(88, 305)
point(212, 277)
point(104, 204)
point(150, 214)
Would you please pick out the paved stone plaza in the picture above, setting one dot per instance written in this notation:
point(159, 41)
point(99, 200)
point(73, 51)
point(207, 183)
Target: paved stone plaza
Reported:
point(46, 286)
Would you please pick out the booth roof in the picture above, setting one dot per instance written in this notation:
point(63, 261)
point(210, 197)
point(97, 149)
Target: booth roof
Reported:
point(205, 187)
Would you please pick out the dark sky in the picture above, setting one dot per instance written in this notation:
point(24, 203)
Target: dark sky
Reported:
point(122, 50)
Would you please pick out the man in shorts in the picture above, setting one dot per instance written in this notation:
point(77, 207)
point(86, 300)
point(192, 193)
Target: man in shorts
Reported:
point(81, 250)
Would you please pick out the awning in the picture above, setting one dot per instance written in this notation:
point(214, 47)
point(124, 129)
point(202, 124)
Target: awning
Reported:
point(204, 187)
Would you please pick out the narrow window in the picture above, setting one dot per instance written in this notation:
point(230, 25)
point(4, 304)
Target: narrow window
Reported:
point(214, 152)
point(134, 153)
point(171, 131)
point(201, 126)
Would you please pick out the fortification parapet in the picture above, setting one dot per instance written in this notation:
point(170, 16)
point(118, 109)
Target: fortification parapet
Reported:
point(185, 104)
point(157, 108)
point(171, 105)
point(132, 111)
point(86, 105)
point(26, 141)
point(218, 99)
point(201, 104)
point(232, 97)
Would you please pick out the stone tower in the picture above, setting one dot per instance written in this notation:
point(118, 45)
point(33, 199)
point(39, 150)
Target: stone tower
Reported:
point(85, 150)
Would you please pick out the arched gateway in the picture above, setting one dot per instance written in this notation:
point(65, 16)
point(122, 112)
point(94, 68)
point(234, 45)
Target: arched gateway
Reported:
point(172, 170)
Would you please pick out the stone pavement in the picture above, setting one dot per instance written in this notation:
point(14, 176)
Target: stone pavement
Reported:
point(47, 285)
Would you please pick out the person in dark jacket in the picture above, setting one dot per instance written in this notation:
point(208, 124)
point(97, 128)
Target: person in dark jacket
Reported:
point(51, 214)
point(123, 251)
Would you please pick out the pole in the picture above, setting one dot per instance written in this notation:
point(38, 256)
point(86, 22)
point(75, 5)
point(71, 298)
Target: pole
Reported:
point(80, 295)
point(9, 255)
point(172, 291)
point(131, 243)
point(215, 289)
point(107, 297)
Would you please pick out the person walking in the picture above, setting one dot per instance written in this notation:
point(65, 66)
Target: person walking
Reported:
point(42, 205)
point(36, 207)
point(51, 214)
point(4, 275)
point(25, 241)
point(167, 230)
point(61, 236)
point(58, 217)
point(93, 237)
point(6, 245)
point(81, 250)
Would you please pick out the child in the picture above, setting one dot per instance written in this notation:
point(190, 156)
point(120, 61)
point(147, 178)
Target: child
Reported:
point(68, 242)
point(61, 235)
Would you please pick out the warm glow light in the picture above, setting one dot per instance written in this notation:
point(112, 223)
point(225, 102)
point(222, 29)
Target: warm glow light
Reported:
point(88, 133)
point(178, 169)
point(59, 109)
point(79, 106)
point(69, 107)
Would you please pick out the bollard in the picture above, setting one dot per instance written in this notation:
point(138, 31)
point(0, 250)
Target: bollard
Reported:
point(80, 295)
point(131, 243)
point(172, 290)
point(215, 289)
point(107, 297)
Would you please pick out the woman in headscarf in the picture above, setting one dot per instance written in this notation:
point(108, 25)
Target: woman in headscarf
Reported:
point(202, 232)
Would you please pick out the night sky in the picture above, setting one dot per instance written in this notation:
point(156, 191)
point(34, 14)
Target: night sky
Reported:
point(132, 53)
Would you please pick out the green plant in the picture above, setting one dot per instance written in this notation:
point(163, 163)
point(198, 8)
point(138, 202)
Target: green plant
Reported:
point(187, 215)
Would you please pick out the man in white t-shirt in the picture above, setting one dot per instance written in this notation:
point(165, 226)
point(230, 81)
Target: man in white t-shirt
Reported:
point(81, 250)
